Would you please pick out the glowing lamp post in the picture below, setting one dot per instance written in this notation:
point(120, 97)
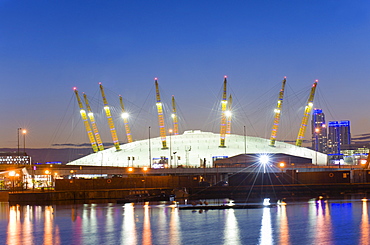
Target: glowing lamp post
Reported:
point(170, 131)
point(264, 160)
point(282, 165)
point(12, 176)
point(48, 174)
point(24, 132)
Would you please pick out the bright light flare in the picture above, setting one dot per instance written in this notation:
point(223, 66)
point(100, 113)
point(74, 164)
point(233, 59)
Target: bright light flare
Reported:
point(145, 168)
point(310, 104)
point(173, 115)
point(266, 201)
point(125, 115)
point(130, 169)
point(228, 113)
point(264, 159)
point(12, 173)
point(282, 165)
point(363, 161)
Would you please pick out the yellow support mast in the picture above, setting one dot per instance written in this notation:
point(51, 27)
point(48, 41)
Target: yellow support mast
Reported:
point(223, 115)
point(306, 115)
point(110, 120)
point(174, 117)
point(86, 122)
point(228, 115)
point(162, 129)
point(125, 120)
point(277, 114)
point(90, 114)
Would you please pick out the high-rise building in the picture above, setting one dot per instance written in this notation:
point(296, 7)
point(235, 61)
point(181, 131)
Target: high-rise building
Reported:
point(319, 131)
point(339, 134)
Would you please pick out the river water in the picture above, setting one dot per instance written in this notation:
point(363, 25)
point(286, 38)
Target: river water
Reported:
point(333, 222)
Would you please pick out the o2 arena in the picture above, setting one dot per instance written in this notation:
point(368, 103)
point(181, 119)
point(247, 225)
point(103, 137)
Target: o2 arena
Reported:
point(193, 148)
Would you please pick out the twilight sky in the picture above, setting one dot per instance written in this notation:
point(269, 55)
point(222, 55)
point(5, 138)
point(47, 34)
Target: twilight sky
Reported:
point(49, 47)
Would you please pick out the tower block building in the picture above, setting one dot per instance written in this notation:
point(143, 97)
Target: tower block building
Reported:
point(319, 131)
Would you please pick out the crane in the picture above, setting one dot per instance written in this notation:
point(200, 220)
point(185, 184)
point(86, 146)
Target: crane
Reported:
point(277, 114)
point(110, 120)
point(90, 114)
point(306, 115)
point(174, 117)
point(86, 122)
point(223, 115)
point(125, 120)
point(228, 115)
point(162, 129)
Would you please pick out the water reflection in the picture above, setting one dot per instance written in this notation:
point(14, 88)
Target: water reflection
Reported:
point(147, 233)
point(231, 232)
point(283, 225)
point(147, 225)
point(48, 226)
point(128, 234)
point(19, 232)
point(14, 226)
point(266, 230)
point(320, 222)
point(365, 228)
point(175, 230)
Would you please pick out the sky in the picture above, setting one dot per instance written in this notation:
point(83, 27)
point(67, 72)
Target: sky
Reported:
point(49, 47)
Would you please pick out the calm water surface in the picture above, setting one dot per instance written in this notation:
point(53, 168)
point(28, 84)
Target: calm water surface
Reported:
point(299, 223)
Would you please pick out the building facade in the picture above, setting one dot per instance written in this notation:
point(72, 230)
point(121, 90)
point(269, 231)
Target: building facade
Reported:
point(319, 131)
point(339, 135)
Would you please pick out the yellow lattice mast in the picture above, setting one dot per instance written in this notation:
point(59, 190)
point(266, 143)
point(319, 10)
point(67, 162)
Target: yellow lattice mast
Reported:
point(162, 129)
point(110, 120)
point(125, 120)
point(223, 115)
point(90, 114)
point(228, 115)
point(306, 115)
point(86, 122)
point(277, 114)
point(174, 117)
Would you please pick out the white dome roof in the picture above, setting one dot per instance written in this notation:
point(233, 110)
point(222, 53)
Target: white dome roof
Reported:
point(190, 148)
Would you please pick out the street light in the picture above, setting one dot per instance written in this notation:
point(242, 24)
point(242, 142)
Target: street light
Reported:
point(24, 132)
point(12, 175)
point(170, 148)
point(18, 129)
point(48, 173)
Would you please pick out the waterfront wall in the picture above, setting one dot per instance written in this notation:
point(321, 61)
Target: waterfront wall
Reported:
point(167, 182)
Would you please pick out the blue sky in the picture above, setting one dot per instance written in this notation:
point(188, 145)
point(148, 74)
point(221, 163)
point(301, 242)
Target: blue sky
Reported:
point(48, 47)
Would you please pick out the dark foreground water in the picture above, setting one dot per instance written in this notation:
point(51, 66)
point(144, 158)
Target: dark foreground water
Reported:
point(299, 223)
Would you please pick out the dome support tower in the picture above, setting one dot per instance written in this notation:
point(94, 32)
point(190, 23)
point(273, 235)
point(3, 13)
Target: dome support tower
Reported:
point(125, 121)
point(162, 129)
point(110, 120)
point(277, 114)
point(86, 122)
point(306, 115)
point(223, 115)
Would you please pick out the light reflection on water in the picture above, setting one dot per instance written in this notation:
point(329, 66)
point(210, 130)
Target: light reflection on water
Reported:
point(301, 223)
point(365, 228)
point(231, 231)
point(283, 224)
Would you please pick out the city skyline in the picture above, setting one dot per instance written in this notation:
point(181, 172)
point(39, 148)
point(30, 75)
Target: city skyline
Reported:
point(47, 48)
